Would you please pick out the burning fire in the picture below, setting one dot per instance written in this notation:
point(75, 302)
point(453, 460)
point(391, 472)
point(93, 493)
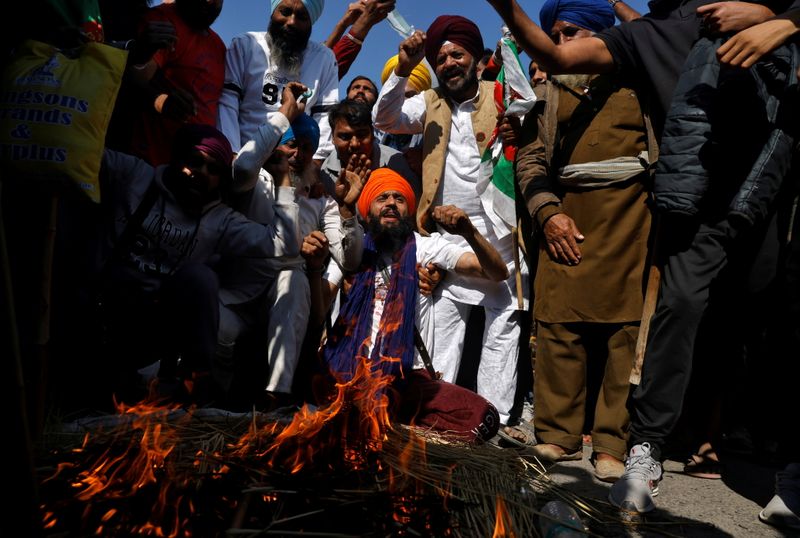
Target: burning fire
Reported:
point(353, 423)
point(144, 463)
point(129, 466)
point(502, 523)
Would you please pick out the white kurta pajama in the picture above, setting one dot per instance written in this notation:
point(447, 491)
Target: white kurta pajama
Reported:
point(497, 372)
point(277, 289)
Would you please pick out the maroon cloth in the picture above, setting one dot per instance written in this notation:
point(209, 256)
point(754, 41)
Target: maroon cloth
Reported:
point(447, 408)
point(456, 29)
point(345, 51)
point(205, 138)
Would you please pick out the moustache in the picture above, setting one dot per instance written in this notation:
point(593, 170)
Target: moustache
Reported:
point(390, 212)
point(453, 71)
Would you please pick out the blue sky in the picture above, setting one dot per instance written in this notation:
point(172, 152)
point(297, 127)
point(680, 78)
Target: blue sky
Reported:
point(240, 16)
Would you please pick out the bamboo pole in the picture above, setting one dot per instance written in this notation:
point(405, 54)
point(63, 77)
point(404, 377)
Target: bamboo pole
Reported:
point(648, 309)
point(517, 268)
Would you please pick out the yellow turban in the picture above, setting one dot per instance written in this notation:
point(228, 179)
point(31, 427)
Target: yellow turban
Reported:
point(420, 77)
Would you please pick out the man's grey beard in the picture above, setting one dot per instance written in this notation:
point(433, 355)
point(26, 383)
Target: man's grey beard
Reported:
point(574, 81)
point(285, 53)
point(470, 77)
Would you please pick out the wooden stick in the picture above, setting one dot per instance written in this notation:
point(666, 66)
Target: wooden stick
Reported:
point(42, 342)
point(649, 307)
point(27, 518)
point(517, 269)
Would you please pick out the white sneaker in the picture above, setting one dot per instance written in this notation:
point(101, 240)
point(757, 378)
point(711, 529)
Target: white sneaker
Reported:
point(635, 489)
point(783, 510)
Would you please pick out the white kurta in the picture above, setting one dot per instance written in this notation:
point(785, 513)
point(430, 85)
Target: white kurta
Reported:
point(497, 373)
point(433, 249)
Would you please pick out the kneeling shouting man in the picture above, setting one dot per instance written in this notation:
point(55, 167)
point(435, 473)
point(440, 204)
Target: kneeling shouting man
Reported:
point(383, 309)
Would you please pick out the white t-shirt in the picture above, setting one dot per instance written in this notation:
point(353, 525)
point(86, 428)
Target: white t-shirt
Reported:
point(433, 249)
point(254, 84)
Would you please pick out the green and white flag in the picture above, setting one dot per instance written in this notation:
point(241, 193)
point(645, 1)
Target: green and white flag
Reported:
point(513, 96)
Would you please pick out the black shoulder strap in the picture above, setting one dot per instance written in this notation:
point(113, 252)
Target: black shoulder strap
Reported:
point(418, 342)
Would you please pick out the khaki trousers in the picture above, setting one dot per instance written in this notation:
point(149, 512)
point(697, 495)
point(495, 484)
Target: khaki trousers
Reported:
point(559, 387)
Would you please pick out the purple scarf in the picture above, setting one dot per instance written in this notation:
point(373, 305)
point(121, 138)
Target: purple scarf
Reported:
point(393, 350)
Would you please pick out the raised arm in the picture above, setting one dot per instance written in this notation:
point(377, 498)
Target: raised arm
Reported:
point(256, 152)
point(589, 55)
point(345, 234)
point(486, 262)
point(349, 45)
point(243, 237)
point(354, 9)
point(393, 113)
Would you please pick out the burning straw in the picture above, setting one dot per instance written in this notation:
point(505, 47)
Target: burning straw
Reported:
point(341, 470)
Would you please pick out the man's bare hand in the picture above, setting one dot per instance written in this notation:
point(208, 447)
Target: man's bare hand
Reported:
point(155, 35)
point(315, 250)
point(278, 167)
point(377, 10)
point(453, 220)
point(724, 17)
point(562, 237)
point(429, 277)
point(412, 51)
point(509, 129)
point(354, 11)
point(748, 46)
point(177, 104)
point(351, 181)
point(291, 104)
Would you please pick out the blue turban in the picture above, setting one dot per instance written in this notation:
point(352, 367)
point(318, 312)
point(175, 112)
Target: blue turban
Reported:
point(314, 8)
point(303, 125)
point(594, 15)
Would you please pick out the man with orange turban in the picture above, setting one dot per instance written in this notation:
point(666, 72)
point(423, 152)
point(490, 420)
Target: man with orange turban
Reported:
point(383, 308)
point(457, 120)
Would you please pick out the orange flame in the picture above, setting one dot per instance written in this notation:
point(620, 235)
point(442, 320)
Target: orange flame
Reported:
point(354, 421)
point(503, 528)
point(129, 465)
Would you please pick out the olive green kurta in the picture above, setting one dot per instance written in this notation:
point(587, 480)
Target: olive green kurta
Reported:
point(607, 285)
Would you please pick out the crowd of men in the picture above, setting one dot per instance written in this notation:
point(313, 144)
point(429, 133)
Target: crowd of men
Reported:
point(262, 236)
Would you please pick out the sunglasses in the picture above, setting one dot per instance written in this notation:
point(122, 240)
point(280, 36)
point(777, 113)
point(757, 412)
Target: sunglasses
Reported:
point(567, 31)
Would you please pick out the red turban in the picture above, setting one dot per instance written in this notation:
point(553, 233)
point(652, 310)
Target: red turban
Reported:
point(383, 180)
point(456, 29)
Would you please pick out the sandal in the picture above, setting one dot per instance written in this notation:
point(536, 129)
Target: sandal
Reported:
point(703, 466)
point(519, 436)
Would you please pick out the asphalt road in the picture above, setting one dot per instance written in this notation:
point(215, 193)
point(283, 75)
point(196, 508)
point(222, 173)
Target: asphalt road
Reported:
point(688, 506)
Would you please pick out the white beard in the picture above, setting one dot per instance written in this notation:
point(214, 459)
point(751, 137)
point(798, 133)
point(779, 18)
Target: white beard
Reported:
point(574, 81)
point(288, 62)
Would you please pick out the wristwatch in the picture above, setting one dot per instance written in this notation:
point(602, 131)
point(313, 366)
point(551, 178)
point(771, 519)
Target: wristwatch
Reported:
point(613, 3)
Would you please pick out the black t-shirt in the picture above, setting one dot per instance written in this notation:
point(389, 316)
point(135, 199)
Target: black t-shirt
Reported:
point(652, 49)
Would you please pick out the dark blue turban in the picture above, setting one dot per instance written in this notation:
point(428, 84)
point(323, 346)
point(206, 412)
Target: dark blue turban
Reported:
point(303, 125)
point(594, 15)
